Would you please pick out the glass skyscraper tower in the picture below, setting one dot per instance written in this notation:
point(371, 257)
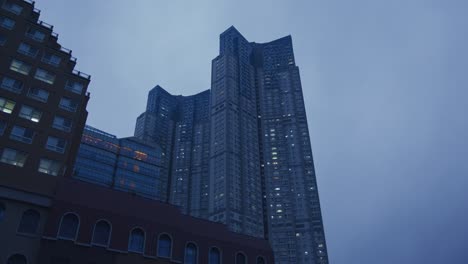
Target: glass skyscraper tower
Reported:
point(240, 153)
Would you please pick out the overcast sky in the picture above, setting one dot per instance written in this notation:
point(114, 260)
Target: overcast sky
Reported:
point(385, 85)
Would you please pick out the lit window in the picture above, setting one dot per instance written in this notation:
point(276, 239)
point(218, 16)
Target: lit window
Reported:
point(13, 157)
point(136, 242)
point(7, 23)
point(190, 254)
point(51, 59)
point(28, 50)
point(38, 94)
point(30, 113)
point(62, 123)
point(164, 246)
point(29, 222)
point(11, 85)
point(69, 227)
point(20, 67)
point(35, 34)
point(22, 134)
point(50, 167)
point(13, 8)
point(68, 104)
point(75, 87)
point(101, 233)
point(56, 144)
point(6, 105)
point(45, 76)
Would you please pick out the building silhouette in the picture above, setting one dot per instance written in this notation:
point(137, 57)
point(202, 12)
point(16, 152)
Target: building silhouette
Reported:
point(249, 132)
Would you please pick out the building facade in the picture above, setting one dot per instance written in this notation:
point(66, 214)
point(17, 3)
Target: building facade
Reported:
point(42, 114)
point(261, 178)
point(126, 164)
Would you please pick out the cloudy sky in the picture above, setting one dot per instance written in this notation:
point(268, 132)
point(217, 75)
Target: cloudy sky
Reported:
point(385, 85)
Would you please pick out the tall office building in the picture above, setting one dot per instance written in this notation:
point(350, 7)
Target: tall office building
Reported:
point(261, 179)
point(180, 125)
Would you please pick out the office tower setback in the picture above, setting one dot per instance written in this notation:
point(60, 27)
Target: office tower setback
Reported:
point(126, 164)
point(251, 145)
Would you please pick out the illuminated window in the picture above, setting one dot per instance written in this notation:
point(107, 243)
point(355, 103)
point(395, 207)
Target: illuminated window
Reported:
point(45, 76)
point(30, 113)
point(20, 67)
point(50, 167)
point(13, 157)
point(6, 105)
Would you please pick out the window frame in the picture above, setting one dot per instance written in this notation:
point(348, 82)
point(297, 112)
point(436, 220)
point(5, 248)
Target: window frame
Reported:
point(144, 240)
point(109, 237)
point(171, 246)
point(37, 224)
point(196, 251)
point(77, 227)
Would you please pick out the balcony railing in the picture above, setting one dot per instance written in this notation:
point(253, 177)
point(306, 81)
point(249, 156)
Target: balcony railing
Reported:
point(65, 50)
point(44, 24)
point(82, 74)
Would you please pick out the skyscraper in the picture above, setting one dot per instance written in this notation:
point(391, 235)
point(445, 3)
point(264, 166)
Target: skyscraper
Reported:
point(261, 179)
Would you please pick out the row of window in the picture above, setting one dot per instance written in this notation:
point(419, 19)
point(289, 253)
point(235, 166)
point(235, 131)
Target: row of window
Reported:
point(70, 222)
point(18, 158)
point(33, 114)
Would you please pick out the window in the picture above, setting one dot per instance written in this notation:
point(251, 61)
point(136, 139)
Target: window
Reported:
point(45, 76)
point(7, 23)
point(6, 105)
point(260, 260)
point(164, 246)
point(215, 256)
point(50, 167)
point(11, 84)
point(101, 233)
point(17, 259)
point(240, 258)
point(2, 211)
point(20, 67)
point(30, 113)
point(75, 87)
point(35, 34)
point(28, 50)
point(13, 157)
point(29, 222)
point(51, 59)
point(13, 8)
point(69, 226)
point(38, 94)
point(62, 123)
point(3, 125)
point(68, 104)
point(56, 144)
point(3, 39)
point(190, 254)
point(22, 134)
point(136, 242)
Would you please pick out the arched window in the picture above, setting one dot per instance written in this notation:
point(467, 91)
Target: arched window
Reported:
point(69, 226)
point(136, 242)
point(260, 260)
point(17, 259)
point(190, 254)
point(215, 256)
point(164, 246)
point(2, 211)
point(240, 258)
point(29, 222)
point(101, 233)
